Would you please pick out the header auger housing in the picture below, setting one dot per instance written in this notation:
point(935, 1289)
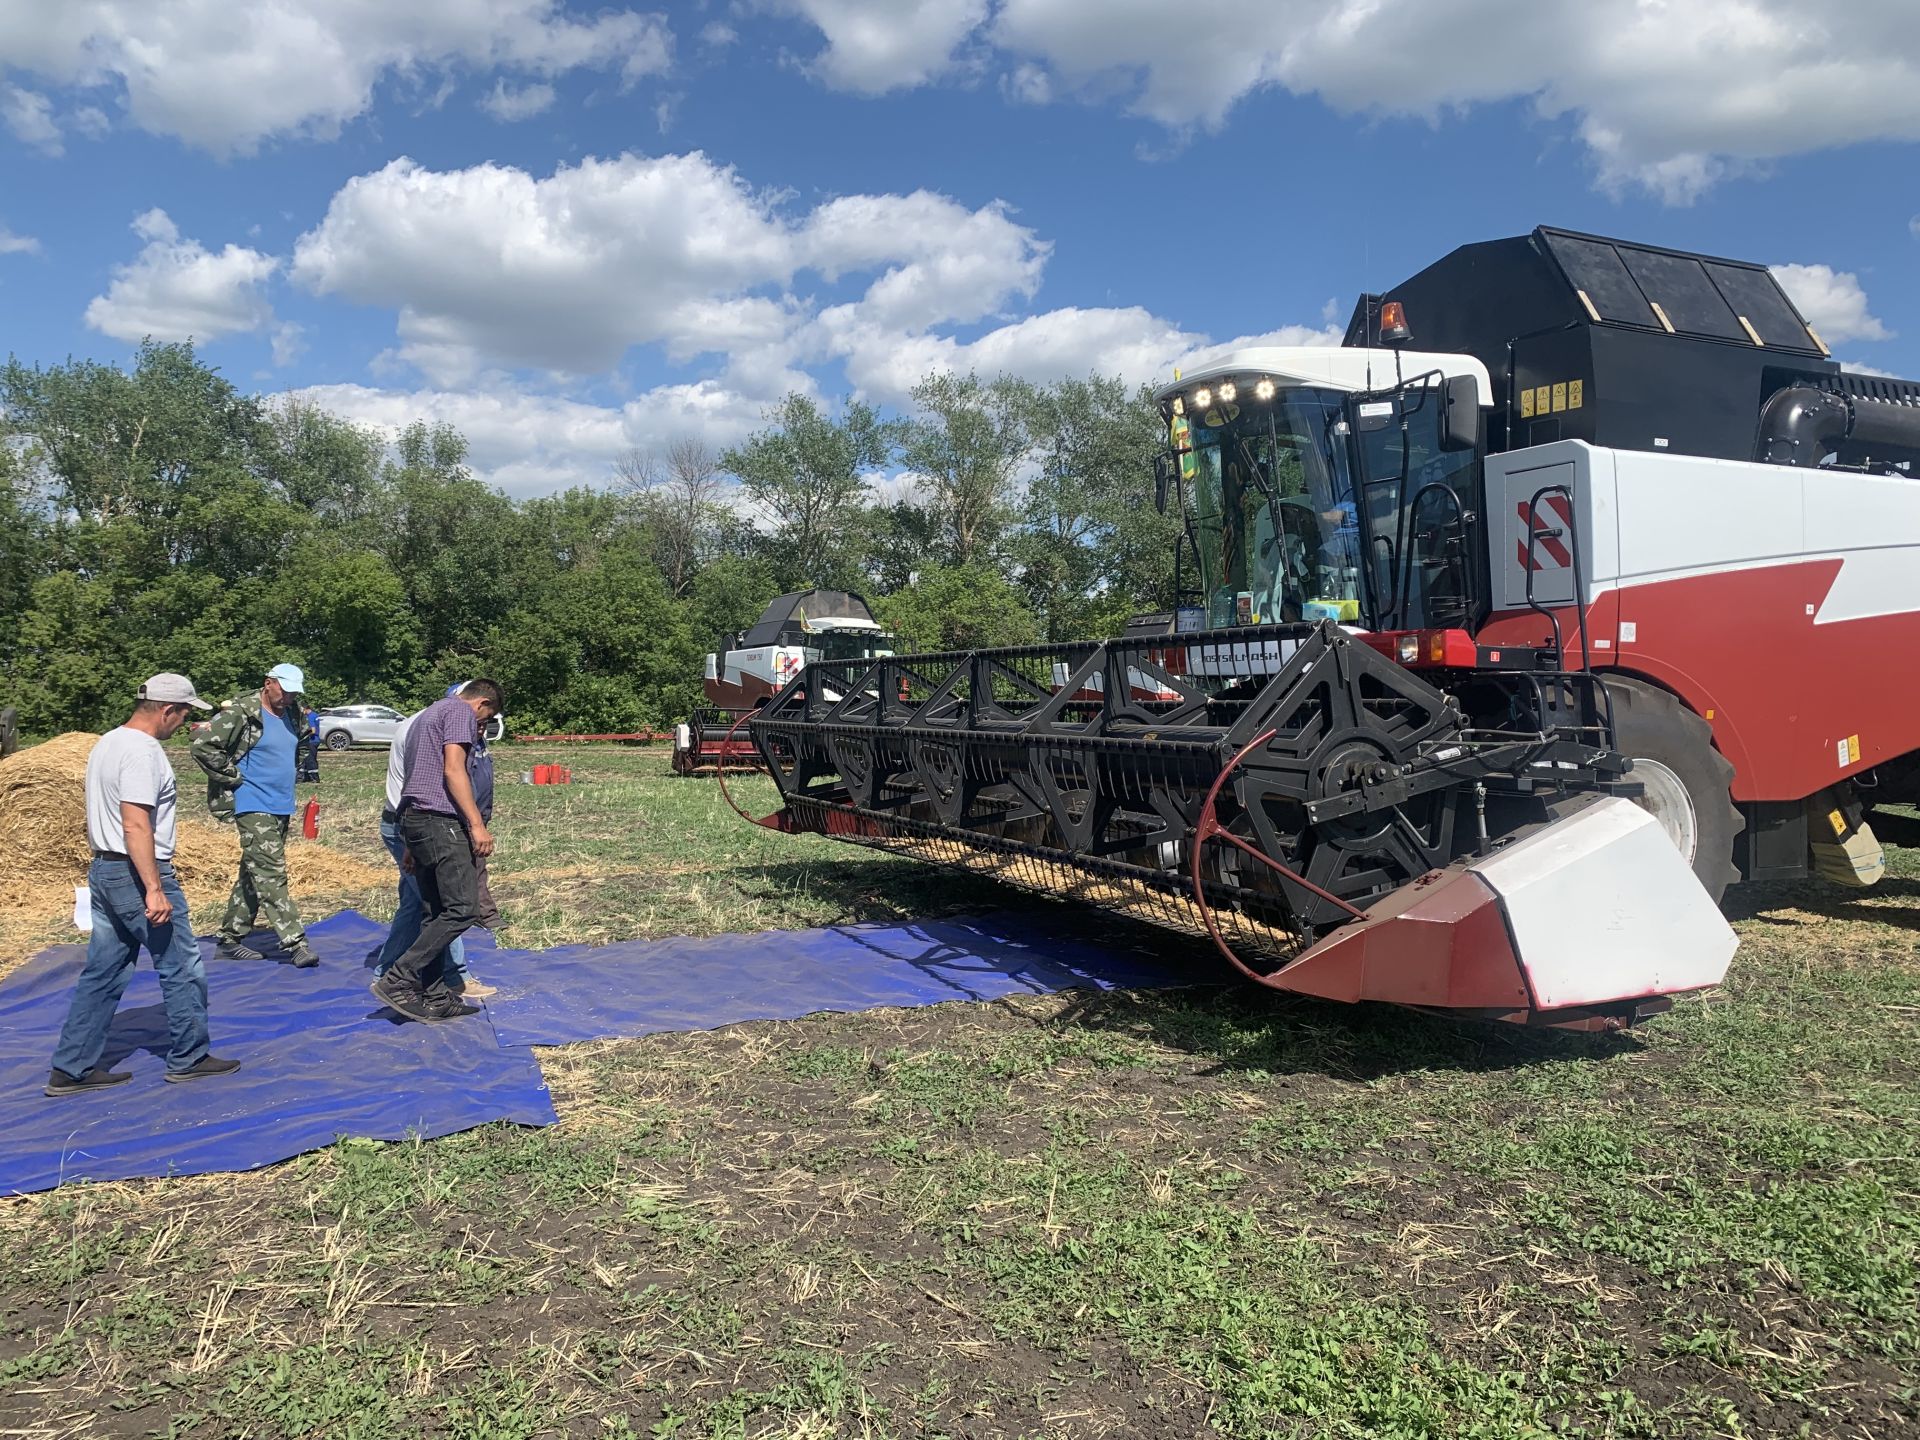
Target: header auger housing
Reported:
point(1325, 815)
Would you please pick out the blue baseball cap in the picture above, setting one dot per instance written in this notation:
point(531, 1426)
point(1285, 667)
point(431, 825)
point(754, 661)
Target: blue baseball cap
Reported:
point(291, 679)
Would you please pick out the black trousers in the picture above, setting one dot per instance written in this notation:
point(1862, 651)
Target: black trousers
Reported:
point(443, 867)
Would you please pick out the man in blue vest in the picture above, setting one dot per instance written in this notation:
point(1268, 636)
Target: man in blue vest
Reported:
point(249, 754)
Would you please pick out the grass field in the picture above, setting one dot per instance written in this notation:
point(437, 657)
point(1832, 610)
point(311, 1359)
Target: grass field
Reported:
point(1197, 1213)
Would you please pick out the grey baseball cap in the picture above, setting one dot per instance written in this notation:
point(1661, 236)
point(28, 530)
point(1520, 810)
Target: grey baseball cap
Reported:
point(171, 689)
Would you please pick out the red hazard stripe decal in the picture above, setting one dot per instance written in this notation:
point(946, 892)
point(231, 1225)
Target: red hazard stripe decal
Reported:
point(1551, 545)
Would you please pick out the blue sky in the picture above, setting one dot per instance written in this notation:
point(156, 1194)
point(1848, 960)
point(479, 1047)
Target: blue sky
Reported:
point(577, 231)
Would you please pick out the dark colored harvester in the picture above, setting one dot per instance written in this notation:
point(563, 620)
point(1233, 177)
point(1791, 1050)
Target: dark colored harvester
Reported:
point(1473, 699)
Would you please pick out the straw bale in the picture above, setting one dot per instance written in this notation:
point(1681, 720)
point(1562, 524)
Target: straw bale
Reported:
point(43, 815)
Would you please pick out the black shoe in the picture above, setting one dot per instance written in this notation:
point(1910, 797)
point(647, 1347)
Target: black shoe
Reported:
point(205, 1068)
point(451, 1007)
point(409, 1004)
point(303, 958)
point(234, 950)
point(61, 1083)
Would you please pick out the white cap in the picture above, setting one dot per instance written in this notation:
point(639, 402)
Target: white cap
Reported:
point(171, 689)
point(290, 677)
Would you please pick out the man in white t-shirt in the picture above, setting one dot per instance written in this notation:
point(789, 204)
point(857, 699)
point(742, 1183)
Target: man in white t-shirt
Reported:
point(131, 810)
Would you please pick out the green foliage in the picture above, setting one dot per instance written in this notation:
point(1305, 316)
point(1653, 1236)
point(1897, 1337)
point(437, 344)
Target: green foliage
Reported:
point(962, 607)
point(966, 450)
point(806, 473)
point(155, 517)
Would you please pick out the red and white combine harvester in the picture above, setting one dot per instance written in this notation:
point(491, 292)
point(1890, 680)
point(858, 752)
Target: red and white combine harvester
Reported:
point(746, 670)
point(1501, 658)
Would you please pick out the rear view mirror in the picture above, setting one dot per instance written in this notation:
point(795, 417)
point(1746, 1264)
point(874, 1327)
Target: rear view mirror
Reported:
point(1162, 480)
point(1460, 415)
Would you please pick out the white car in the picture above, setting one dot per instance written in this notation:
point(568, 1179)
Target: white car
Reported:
point(347, 725)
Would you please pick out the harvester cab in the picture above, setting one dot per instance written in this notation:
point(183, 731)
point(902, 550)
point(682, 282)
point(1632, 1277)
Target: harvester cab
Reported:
point(1632, 464)
point(1472, 695)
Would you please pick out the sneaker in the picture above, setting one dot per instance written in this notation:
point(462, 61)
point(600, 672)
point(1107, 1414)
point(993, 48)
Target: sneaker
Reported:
point(409, 1004)
point(451, 1007)
point(61, 1083)
point(303, 958)
point(478, 990)
point(205, 1068)
point(234, 950)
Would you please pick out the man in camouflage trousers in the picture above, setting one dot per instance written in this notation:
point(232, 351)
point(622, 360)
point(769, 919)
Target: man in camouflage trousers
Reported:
point(249, 754)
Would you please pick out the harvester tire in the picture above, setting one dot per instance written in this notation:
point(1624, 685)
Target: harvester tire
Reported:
point(1687, 781)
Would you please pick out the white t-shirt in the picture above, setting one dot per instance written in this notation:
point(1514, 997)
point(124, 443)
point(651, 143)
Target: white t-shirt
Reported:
point(129, 765)
point(397, 762)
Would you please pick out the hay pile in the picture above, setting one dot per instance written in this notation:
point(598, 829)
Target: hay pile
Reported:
point(44, 851)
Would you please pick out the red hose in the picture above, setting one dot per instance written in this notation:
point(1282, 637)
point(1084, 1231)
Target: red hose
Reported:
point(770, 821)
point(1209, 826)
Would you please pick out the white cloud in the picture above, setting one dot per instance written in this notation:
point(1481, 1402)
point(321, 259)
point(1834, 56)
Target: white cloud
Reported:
point(226, 77)
point(289, 343)
point(1670, 95)
point(519, 102)
point(92, 122)
point(1855, 367)
point(718, 34)
point(1832, 302)
point(176, 289)
point(874, 46)
point(531, 444)
point(1136, 345)
point(12, 244)
point(29, 115)
point(490, 267)
point(493, 272)
point(943, 261)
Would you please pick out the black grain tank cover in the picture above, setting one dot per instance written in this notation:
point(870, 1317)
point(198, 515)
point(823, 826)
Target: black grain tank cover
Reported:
point(785, 620)
point(1616, 343)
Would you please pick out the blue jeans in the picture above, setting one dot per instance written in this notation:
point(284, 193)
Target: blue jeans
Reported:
point(411, 912)
point(120, 928)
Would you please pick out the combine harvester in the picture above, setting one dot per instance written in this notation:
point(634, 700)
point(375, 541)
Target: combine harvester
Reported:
point(749, 667)
point(1506, 657)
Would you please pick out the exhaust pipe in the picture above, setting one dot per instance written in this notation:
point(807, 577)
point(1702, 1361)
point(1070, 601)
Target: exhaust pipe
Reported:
point(1801, 425)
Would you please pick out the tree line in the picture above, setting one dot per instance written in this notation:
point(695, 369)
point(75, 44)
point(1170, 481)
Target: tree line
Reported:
point(158, 518)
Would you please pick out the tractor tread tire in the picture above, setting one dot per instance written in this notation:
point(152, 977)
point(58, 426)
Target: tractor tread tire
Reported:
point(1652, 722)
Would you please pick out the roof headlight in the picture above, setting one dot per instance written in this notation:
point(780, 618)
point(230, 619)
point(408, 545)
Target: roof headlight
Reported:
point(1228, 392)
point(1263, 390)
point(1202, 398)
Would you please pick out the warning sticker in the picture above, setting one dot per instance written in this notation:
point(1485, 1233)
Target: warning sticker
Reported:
point(1847, 752)
point(1526, 403)
point(1559, 398)
point(1576, 394)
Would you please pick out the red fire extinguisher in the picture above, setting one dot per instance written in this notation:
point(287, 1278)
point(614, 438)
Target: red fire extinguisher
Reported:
point(310, 820)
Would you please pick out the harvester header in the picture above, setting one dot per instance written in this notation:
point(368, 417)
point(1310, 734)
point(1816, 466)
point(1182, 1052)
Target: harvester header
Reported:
point(1470, 695)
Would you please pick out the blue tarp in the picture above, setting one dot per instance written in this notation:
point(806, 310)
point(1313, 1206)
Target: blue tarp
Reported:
point(321, 1059)
point(641, 987)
